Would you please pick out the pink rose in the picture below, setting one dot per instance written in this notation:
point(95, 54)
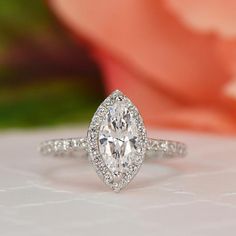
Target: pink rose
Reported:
point(176, 59)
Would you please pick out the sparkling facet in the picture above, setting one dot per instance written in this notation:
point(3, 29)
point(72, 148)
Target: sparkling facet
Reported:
point(118, 138)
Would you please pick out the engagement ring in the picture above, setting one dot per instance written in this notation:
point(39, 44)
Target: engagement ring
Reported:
point(116, 142)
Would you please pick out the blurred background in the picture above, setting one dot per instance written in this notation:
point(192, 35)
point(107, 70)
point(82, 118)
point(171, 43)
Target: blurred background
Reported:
point(175, 59)
point(46, 78)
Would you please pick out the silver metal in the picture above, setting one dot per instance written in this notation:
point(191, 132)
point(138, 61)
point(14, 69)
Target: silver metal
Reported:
point(116, 142)
point(158, 147)
point(61, 147)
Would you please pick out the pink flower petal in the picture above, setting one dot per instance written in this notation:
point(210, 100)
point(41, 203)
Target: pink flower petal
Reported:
point(160, 109)
point(207, 15)
point(144, 36)
point(175, 74)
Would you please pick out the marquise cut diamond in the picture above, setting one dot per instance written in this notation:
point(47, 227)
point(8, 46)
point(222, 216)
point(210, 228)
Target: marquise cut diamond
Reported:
point(118, 138)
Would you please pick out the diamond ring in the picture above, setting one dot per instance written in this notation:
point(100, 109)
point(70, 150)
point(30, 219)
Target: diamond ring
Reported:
point(116, 142)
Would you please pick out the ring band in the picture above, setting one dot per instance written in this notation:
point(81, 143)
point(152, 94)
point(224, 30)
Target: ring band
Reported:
point(116, 142)
point(161, 148)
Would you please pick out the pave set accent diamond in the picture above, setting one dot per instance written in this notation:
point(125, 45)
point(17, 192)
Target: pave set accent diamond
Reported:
point(116, 142)
point(59, 147)
point(166, 148)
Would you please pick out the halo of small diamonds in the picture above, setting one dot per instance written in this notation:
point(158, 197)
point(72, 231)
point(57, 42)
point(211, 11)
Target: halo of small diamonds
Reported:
point(115, 181)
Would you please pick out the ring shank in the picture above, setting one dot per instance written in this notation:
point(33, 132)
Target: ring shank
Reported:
point(60, 147)
point(155, 147)
point(166, 148)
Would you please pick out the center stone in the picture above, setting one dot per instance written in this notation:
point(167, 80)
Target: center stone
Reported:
point(118, 138)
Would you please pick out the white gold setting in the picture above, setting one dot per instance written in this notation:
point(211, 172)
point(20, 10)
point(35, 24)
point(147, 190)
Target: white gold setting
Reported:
point(116, 142)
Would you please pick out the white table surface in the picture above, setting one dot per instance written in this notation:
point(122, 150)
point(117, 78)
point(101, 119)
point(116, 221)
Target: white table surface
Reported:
point(39, 196)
